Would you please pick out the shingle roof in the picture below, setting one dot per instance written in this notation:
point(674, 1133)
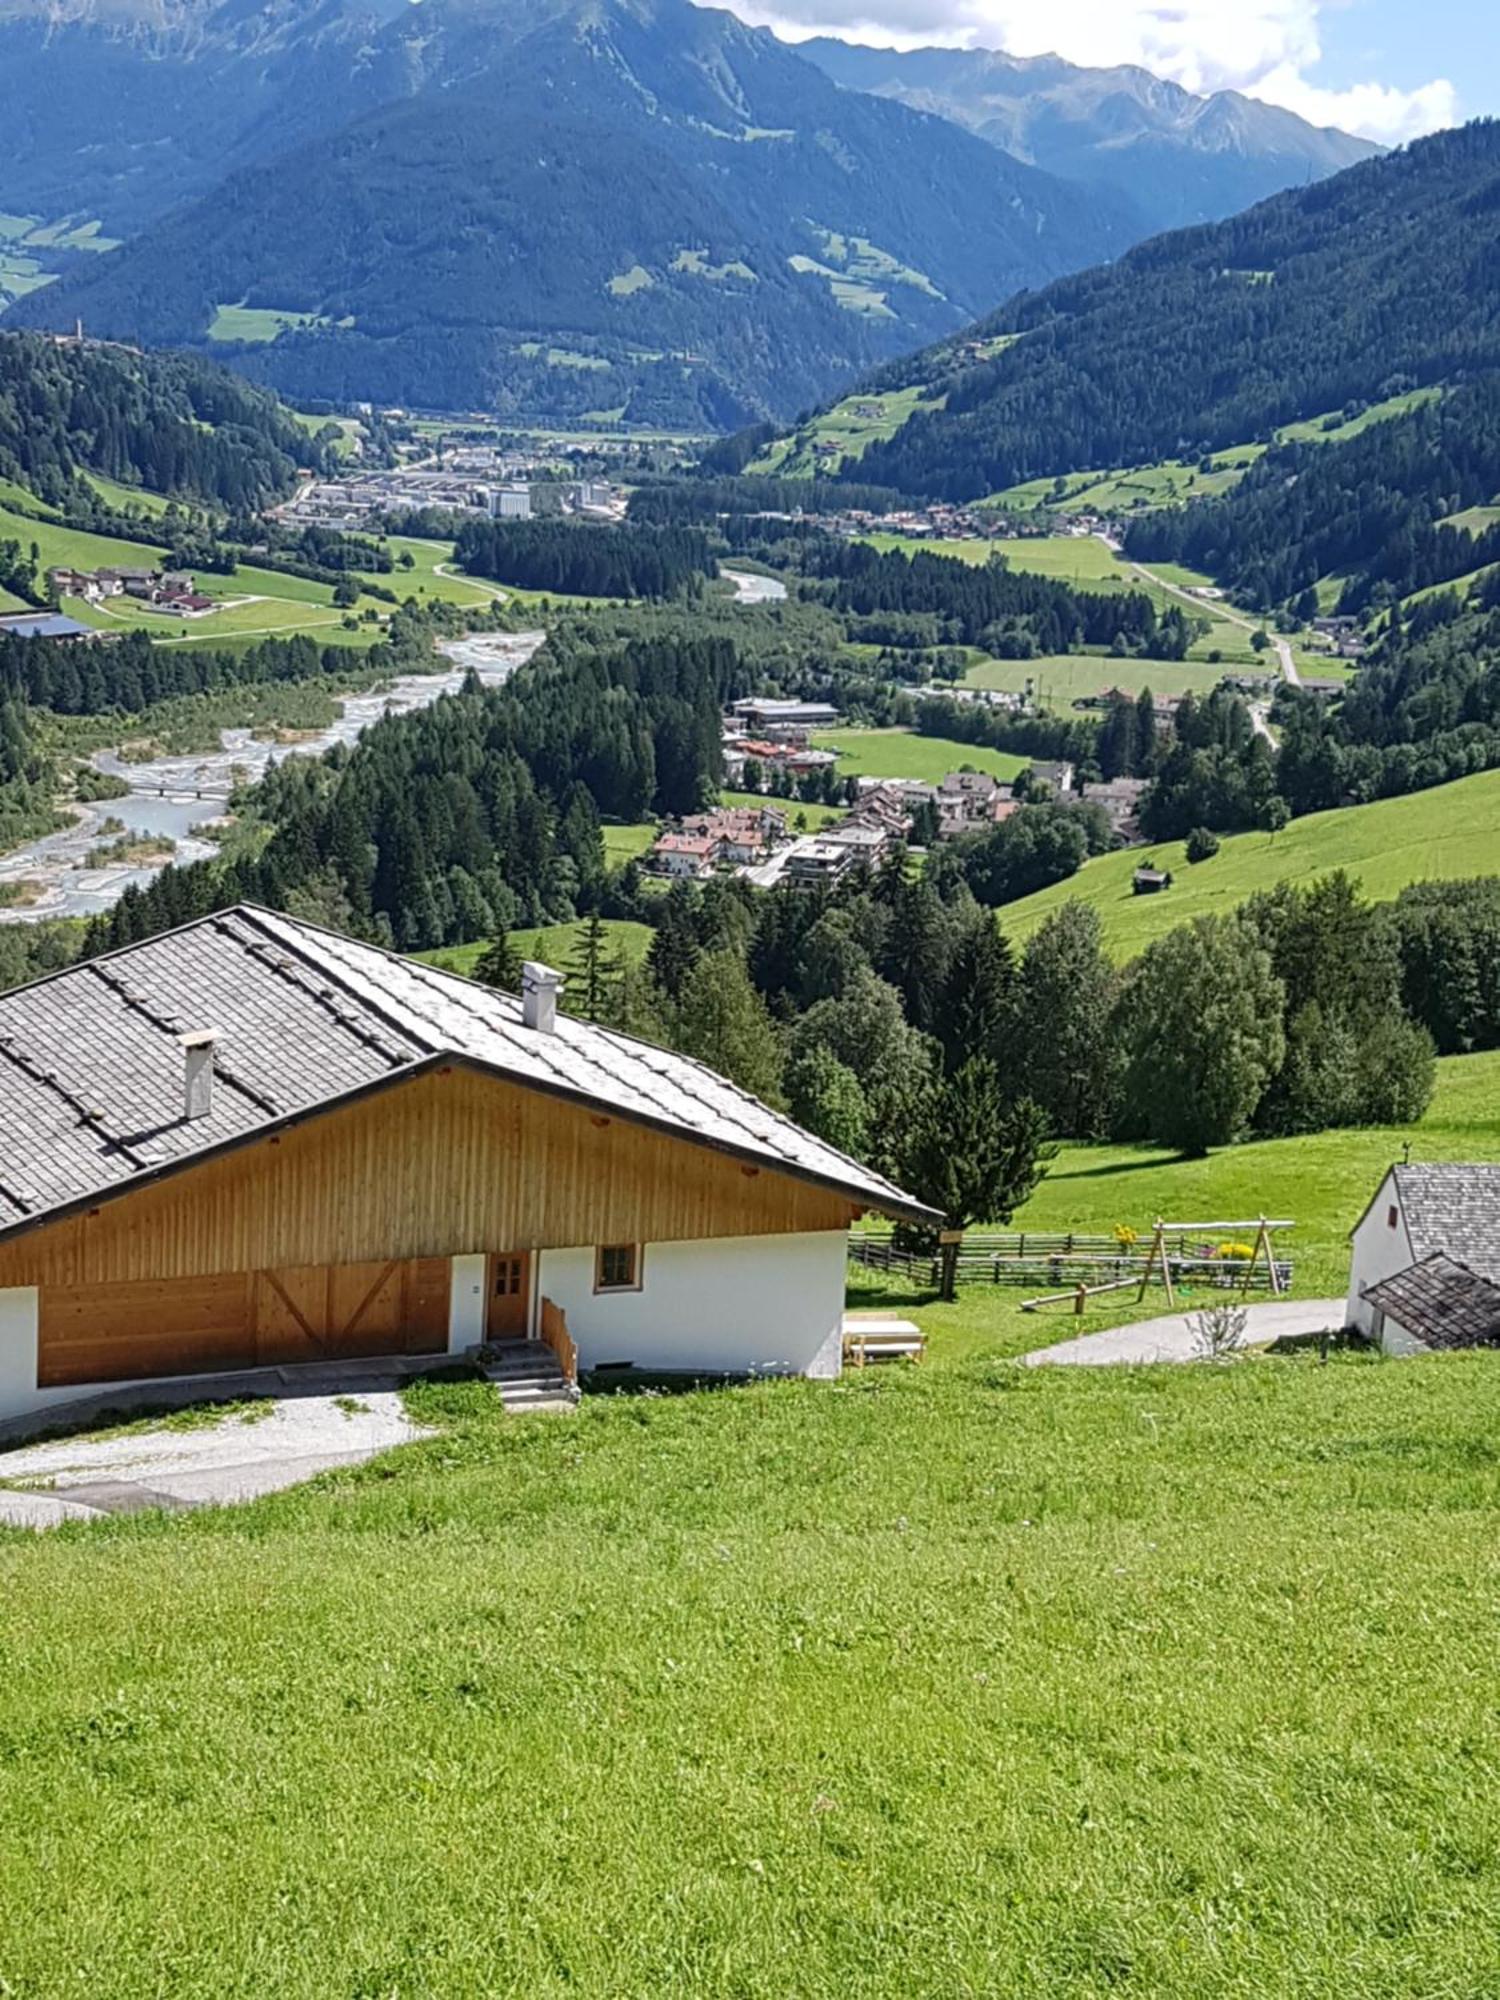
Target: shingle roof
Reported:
point(1442, 1302)
point(1453, 1208)
point(91, 1074)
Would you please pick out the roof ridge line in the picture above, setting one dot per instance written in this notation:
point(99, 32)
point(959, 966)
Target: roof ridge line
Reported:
point(254, 914)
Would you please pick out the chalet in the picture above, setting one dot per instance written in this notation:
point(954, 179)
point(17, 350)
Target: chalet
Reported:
point(1425, 1259)
point(1149, 881)
point(251, 1142)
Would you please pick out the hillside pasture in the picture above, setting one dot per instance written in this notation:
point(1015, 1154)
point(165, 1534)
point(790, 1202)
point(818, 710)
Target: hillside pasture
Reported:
point(553, 944)
point(1449, 831)
point(958, 1680)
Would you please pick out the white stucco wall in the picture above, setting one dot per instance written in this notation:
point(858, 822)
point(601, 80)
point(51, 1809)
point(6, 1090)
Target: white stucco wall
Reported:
point(1377, 1251)
point(466, 1303)
point(736, 1304)
point(1395, 1339)
point(18, 1340)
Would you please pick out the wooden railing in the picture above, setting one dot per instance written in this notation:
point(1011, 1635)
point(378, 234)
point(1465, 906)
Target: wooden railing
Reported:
point(556, 1336)
point(1059, 1259)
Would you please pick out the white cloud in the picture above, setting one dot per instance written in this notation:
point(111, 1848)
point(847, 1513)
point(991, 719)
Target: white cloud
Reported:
point(1373, 109)
point(1264, 47)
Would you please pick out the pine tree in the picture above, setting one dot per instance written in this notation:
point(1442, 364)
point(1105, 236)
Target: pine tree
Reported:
point(499, 964)
point(721, 1020)
point(971, 1155)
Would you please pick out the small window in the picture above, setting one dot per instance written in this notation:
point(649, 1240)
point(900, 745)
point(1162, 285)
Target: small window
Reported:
point(617, 1268)
point(1391, 1218)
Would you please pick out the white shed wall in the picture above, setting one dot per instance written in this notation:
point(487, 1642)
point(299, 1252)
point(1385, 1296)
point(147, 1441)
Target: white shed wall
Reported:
point(741, 1305)
point(1377, 1252)
point(467, 1303)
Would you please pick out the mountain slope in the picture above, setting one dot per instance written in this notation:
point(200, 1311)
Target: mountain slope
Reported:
point(1182, 158)
point(1385, 277)
point(585, 205)
point(169, 422)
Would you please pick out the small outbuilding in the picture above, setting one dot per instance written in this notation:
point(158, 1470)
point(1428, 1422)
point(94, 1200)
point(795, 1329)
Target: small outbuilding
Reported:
point(1425, 1258)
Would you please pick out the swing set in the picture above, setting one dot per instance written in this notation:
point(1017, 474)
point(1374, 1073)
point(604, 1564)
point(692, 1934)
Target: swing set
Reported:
point(1166, 1251)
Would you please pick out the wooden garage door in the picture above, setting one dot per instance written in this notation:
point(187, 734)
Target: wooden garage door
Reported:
point(241, 1319)
point(323, 1312)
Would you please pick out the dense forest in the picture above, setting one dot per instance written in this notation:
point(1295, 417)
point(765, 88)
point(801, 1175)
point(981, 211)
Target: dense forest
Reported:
point(1014, 614)
point(586, 559)
point(1370, 509)
point(1211, 337)
point(165, 421)
point(131, 673)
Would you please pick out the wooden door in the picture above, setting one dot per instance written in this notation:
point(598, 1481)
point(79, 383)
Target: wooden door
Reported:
point(509, 1314)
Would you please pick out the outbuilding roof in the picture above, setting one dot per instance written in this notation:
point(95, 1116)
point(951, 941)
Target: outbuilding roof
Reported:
point(1454, 1208)
point(1441, 1302)
point(91, 1066)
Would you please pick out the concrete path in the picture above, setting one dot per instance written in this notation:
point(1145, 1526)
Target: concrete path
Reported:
point(238, 1458)
point(1170, 1338)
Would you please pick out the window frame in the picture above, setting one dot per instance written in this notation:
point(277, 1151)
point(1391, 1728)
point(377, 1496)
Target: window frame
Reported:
point(634, 1283)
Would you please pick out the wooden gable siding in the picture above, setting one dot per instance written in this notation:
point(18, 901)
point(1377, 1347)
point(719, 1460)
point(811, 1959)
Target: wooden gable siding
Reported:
point(451, 1161)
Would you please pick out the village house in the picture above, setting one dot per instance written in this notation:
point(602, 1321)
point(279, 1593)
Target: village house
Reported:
point(250, 1142)
point(683, 856)
point(1121, 801)
point(1055, 777)
point(1425, 1260)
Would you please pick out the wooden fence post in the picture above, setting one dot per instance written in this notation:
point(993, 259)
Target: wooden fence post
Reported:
point(948, 1242)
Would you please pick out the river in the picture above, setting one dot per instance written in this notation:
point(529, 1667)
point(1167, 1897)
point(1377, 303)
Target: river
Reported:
point(752, 588)
point(180, 798)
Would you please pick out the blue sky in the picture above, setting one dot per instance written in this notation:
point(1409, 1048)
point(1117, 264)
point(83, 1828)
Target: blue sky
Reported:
point(1388, 68)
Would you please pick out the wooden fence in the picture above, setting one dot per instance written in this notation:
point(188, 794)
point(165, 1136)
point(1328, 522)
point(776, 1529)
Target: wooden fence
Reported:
point(1058, 1259)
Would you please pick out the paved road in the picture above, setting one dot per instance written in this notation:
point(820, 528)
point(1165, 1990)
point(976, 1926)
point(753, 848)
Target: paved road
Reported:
point(1221, 608)
point(1170, 1338)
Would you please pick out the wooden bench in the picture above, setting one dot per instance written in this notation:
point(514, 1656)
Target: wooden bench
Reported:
point(882, 1339)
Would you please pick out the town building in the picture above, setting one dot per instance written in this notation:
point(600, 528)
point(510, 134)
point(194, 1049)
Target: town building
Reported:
point(43, 625)
point(775, 718)
point(250, 1142)
point(1425, 1259)
point(1121, 801)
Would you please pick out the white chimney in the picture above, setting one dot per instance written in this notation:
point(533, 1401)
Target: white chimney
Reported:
point(540, 986)
point(198, 1071)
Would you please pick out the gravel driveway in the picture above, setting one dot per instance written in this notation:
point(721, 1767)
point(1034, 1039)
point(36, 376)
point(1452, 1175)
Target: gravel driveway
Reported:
point(242, 1456)
point(1170, 1338)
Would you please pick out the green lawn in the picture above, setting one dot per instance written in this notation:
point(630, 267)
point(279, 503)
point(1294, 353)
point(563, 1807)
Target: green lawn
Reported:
point(899, 753)
point(553, 944)
point(1063, 678)
point(422, 580)
point(962, 1680)
point(1449, 831)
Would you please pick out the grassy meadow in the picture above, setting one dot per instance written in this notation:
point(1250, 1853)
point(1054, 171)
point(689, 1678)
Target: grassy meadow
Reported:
point(900, 753)
point(1450, 831)
point(962, 1680)
point(1063, 678)
point(553, 944)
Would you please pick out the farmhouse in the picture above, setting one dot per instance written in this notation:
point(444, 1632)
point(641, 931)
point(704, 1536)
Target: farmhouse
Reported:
point(251, 1142)
point(1425, 1264)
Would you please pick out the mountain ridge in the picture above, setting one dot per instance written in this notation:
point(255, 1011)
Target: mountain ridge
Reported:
point(1191, 158)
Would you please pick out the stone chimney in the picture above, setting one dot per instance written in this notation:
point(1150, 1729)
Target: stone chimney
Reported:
point(198, 1046)
point(540, 986)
